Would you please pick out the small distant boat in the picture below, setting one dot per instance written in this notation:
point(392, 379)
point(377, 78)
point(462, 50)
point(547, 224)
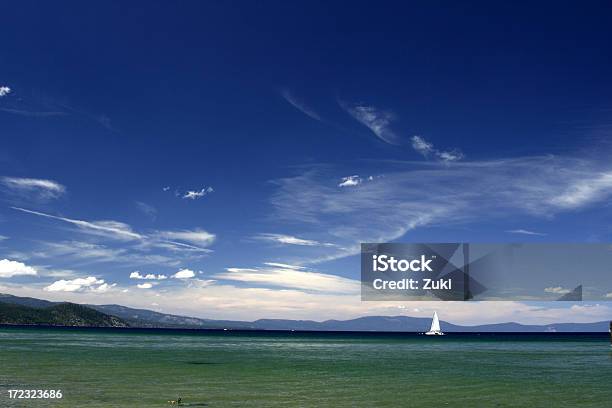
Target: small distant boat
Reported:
point(435, 327)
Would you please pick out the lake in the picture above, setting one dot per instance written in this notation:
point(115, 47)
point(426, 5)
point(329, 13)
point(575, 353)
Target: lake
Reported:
point(146, 368)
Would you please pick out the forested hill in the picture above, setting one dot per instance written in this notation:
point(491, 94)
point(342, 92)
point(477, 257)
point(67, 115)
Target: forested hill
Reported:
point(62, 314)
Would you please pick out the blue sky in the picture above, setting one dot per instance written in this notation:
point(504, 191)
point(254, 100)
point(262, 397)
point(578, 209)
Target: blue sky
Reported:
point(253, 146)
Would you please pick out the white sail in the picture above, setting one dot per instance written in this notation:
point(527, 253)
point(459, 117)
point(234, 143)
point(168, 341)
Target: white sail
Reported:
point(435, 326)
point(435, 323)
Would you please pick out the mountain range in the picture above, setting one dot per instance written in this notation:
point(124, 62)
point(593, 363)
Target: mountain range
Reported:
point(25, 310)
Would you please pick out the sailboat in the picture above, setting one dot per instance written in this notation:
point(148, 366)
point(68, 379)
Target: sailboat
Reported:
point(435, 327)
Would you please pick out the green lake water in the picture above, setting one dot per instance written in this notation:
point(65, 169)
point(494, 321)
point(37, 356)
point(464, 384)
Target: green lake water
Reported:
point(114, 368)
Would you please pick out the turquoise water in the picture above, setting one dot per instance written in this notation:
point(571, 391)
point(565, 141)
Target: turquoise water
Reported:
point(111, 368)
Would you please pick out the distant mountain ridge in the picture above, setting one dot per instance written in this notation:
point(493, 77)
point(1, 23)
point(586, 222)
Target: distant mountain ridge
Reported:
point(147, 318)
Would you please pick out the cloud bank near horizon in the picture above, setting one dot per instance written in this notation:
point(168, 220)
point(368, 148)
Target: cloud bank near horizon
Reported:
point(234, 302)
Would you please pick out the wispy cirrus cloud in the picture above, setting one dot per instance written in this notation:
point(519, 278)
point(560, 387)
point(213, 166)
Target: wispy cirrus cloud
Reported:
point(193, 239)
point(183, 241)
point(427, 150)
point(33, 187)
point(525, 232)
point(278, 275)
point(79, 250)
point(136, 246)
point(284, 265)
point(197, 236)
point(80, 253)
point(147, 209)
point(299, 105)
point(108, 228)
point(582, 192)
point(29, 107)
point(422, 146)
point(33, 114)
point(38, 106)
point(377, 120)
point(412, 195)
point(290, 240)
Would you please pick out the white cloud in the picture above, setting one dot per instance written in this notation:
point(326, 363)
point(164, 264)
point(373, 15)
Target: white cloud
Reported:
point(378, 121)
point(4, 90)
point(9, 268)
point(184, 274)
point(350, 181)
point(354, 181)
point(292, 278)
point(427, 149)
point(79, 284)
point(192, 195)
point(525, 232)
point(41, 188)
point(105, 287)
point(557, 290)
point(290, 240)
point(150, 276)
point(145, 285)
point(299, 105)
point(166, 188)
point(609, 295)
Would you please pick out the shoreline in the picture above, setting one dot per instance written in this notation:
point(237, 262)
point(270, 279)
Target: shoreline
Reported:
point(179, 330)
